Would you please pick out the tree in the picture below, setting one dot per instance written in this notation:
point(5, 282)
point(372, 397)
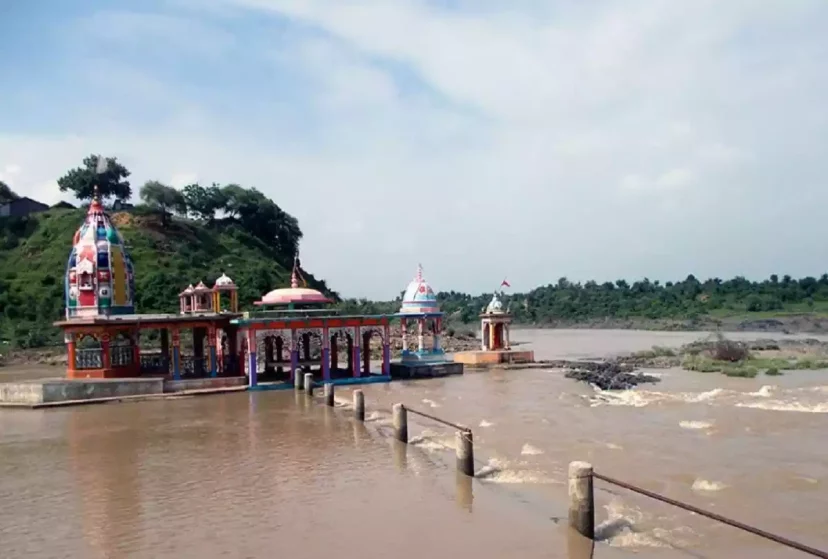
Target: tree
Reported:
point(203, 202)
point(7, 194)
point(164, 199)
point(105, 173)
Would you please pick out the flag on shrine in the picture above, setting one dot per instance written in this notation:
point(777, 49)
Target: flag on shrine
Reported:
point(505, 283)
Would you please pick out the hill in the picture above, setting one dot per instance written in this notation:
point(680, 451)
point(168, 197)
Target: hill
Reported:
point(167, 257)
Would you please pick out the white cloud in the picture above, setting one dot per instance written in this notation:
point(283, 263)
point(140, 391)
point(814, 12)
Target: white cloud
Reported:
point(480, 140)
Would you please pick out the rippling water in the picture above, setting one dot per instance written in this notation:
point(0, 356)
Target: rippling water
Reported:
point(265, 474)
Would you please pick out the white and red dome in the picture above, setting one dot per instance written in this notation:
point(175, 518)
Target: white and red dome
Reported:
point(419, 297)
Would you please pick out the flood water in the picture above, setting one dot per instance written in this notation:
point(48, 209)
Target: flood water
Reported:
point(269, 473)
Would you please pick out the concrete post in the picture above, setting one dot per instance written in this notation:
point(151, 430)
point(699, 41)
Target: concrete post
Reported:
point(400, 421)
point(329, 394)
point(298, 381)
point(581, 499)
point(465, 452)
point(359, 405)
point(309, 384)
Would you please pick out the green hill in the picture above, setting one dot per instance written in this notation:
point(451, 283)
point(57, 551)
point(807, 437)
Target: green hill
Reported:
point(167, 256)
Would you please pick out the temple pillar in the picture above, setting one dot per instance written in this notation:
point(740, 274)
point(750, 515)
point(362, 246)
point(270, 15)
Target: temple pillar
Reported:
point(279, 347)
point(404, 334)
point(386, 350)
point(334, 349)
point(176, 354)
point(420, 328)
point(136, 351)
point(211, 344)
point(350, 350)
point(71, 356)
point(253, 371)
point(356, 355)
point(506, 344)
point(436, 347)
point(326, 351)
point(106, 356)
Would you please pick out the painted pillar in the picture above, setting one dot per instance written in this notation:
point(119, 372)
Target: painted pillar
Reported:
point(252, 346)
point(69, 339)
point(366, 352)
point(420, 327)
point(268, 347)
point(211, 341)
point(492, 330)
point(217, 343)
point(106, 357)
point(404, 334)
point(176, 354)
point(506, 336)
point(355, 356)
point(349, 349)
point(437, 329)
point(136, 351)
point(483, 335)
point(294, 354)
point(386, 350)
point(326, 354)
point(334, 349)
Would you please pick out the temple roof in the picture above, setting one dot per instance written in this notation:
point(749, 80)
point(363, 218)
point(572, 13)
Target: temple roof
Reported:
point(419, 297)
point(293, 294)
point(224, 281)
point(495, 306)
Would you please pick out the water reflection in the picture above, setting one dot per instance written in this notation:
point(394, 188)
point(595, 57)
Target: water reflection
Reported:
point(465, 491)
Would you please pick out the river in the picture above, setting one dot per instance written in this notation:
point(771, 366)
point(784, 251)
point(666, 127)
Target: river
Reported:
point(264, 474)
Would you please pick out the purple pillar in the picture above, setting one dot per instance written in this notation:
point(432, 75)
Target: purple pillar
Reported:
point(355, 357)
point(326, 364)
point(252, 377)
point(294, 363)
point(386, 359)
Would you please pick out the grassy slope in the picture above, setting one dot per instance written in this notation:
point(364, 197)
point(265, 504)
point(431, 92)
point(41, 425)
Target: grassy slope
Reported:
point(33, 256)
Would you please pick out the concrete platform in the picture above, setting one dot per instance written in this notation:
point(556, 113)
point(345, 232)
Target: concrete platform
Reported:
point(425, 370)
point(61, 391)
point(484, 359)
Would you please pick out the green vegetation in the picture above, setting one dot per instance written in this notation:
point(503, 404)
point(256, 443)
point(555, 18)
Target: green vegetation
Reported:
point(171, 243)
point(689, 300)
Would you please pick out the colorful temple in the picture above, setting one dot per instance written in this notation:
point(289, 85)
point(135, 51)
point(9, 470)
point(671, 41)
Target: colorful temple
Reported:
point(294, 331)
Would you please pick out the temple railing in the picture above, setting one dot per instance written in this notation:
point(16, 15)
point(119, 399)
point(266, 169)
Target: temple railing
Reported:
point(191, 366)
point(122, 356)
point(89, 358)
point(154, 364)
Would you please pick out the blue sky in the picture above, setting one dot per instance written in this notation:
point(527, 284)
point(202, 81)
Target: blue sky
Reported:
point(530, 139)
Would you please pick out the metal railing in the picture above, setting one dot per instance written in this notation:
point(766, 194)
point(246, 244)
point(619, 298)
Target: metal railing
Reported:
point(582, 508)
point(437, 419)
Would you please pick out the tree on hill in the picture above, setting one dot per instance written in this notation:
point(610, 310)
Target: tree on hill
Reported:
point(204, 202)
point(105, 173)
point(163, 199)
point(6, 194)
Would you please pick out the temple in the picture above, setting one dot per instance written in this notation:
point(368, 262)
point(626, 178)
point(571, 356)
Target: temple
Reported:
point(495, 348)
point(210, 342)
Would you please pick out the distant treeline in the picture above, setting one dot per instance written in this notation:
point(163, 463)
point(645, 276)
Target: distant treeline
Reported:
point(688, 299)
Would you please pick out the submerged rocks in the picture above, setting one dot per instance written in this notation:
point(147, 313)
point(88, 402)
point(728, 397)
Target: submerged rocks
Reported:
point(607, 375)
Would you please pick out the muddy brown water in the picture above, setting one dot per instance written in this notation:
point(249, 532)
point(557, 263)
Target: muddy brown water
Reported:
point(265, 474)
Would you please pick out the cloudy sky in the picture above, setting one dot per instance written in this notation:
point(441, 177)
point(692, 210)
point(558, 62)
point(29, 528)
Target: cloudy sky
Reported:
point(532, 139)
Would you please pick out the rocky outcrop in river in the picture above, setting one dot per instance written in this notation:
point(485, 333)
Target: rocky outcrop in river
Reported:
point(606, 375)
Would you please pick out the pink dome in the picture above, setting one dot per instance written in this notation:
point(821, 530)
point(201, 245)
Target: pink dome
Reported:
point(288, 295)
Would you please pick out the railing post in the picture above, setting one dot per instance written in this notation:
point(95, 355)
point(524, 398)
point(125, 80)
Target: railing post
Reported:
point(465, 452)
point(400, 421)
point(309, 384)
point(359, 405)
point(298, 381)
point(581, 499)
point(329, 394)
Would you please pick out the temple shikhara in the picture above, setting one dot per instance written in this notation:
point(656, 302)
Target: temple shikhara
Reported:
point(294, 329)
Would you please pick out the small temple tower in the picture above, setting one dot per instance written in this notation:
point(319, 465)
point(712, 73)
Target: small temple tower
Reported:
point(495, 343)
point(99, 274)
point(494, 326)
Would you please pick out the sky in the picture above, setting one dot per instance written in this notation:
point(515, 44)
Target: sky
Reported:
point(529, 139)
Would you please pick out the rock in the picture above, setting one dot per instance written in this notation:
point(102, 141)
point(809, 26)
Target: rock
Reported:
point(606, 375)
